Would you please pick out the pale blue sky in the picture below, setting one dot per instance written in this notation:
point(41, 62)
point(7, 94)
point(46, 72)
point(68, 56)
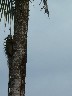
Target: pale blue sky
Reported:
point(49, 67)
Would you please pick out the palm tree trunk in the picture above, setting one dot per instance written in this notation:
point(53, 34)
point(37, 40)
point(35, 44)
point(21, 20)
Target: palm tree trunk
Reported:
point(17, 68)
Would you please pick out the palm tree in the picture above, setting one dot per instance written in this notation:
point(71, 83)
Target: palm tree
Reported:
point(16, 45)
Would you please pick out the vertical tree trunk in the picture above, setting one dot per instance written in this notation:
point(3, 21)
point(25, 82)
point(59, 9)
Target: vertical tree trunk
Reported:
point(17, 67)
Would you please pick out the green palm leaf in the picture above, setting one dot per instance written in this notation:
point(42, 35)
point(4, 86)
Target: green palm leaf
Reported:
point(7, 8)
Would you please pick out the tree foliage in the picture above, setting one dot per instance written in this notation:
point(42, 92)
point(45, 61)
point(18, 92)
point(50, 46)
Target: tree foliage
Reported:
point(7, 8)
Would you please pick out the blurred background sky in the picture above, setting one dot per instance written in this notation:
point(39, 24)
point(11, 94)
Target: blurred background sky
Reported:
point(49, 66)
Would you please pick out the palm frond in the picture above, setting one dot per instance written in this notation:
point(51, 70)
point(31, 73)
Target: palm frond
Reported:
point(7, 8)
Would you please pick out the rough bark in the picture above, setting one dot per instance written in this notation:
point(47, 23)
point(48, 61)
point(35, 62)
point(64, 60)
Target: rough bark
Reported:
point(17, 68)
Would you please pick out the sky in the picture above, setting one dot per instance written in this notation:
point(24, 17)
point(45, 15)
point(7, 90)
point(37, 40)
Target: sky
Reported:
point(49, 65)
